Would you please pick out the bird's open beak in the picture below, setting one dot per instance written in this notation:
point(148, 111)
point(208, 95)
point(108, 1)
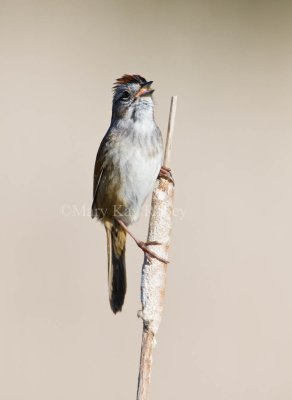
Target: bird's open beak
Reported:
point(145, 90)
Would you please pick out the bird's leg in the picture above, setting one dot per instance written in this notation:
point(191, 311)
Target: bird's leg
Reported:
point(165, 173)
point(143, 245)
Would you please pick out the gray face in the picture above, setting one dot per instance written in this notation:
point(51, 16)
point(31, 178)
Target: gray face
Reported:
point(130, 99)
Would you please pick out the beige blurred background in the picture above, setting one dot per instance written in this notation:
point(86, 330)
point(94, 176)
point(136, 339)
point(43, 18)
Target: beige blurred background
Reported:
point(226, 330)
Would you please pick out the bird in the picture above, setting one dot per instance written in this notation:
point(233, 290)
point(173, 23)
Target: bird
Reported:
point(128, 162)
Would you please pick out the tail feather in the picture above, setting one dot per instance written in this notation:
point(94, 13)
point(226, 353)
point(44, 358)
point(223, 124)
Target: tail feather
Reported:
point(117, 282)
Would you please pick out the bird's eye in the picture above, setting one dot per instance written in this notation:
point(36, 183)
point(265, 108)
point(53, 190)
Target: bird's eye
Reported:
point(125, 95)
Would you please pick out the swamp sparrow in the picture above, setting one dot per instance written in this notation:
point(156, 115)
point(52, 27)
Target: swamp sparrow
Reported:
point(127, 164)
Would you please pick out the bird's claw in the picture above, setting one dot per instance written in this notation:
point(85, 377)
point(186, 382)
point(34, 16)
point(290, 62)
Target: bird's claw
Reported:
point(149, 252)
point(165, 173)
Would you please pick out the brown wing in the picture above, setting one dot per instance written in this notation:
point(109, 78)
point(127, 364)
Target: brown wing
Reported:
point(109, 140)
point(98, 171)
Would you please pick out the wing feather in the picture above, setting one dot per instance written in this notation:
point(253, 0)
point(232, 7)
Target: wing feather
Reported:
point(98, 171)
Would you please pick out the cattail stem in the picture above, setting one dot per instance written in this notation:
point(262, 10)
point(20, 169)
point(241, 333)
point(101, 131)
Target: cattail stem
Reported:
point(153, 280)
point(170, 130)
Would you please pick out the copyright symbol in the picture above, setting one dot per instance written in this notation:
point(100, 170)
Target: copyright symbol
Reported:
point(66, 210)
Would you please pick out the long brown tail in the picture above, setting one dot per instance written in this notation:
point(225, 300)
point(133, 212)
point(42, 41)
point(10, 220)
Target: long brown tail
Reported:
point(117, 281)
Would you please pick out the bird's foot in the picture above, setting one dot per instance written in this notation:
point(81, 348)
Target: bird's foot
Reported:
point(144, 245)
point(165, 173)
point(153, 243)
point(148, 252)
